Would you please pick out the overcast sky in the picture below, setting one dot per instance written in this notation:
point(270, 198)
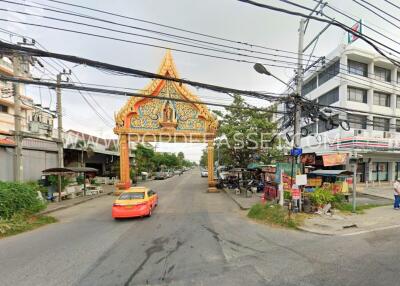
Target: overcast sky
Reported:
point(223, 18)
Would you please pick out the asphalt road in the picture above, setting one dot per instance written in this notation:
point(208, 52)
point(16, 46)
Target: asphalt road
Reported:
point(193, 238)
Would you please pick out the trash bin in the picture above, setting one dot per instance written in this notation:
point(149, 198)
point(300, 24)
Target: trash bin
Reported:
point(144, 177)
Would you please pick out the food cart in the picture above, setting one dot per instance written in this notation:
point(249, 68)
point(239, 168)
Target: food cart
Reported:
point(337, 181)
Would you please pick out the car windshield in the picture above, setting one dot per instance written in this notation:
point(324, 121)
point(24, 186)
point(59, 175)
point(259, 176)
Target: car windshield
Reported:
point(132, 196)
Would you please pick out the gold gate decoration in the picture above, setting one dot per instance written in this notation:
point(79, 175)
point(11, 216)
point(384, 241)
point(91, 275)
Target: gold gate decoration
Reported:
point(164, 120)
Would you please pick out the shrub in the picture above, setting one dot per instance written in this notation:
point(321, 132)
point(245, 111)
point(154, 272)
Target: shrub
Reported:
point(19, 198)
point(287, 195)
point(338, 199)
point(21, 222)
point(274, 214)
point(53, 179)
point(80, 180)
point(321, 197)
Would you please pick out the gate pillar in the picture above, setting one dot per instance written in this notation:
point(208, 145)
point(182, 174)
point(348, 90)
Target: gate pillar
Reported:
point(211, 182)
point(125, 180)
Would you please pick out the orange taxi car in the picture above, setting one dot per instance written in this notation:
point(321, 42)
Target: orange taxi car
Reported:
point(134, 202)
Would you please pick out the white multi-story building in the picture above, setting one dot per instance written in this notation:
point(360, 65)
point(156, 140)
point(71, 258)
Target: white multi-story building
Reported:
point(39, 147)
point(369, 84)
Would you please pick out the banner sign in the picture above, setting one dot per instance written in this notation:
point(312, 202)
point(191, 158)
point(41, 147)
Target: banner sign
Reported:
point(296, 195)
point(334, 159)
point(357, 27)
point(308, 159)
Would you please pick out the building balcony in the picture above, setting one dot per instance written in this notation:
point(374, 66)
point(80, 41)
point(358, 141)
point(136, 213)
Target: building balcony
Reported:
point(6, 67)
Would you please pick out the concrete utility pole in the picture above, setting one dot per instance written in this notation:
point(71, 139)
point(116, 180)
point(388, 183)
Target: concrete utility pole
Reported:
point(297, 119)
point(60, 143)
point(18, 167)
point(59, 123)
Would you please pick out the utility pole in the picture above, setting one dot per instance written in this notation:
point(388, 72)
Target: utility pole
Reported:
point(60, 143)
point(59, 123)
point(297, 119)
point(18, 167)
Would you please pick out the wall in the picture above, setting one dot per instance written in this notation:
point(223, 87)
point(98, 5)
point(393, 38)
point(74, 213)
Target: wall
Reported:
point(6, 164)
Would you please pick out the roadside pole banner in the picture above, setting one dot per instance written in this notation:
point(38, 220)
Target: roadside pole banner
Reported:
point(295, 192)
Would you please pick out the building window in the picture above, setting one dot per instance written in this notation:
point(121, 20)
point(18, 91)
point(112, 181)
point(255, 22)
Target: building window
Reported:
point(309, 86)
point(357, 68)
point(329, 72)
point(382, 74)
point(382, 99)
point(381, 124)
point(3, 108)
point(357, 94)
point(330, 97)
point(398, 125)
point(398, 77)
point(380, 171)
point(357, 121)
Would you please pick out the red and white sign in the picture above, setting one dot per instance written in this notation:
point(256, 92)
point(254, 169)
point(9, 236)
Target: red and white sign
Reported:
point(357, 28)
point(295, 192)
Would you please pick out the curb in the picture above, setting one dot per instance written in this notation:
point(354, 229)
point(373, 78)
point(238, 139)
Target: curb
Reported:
point(233, 199)
point(349, 233)
point(374, 195)
point(316, 232)
point(74, 204)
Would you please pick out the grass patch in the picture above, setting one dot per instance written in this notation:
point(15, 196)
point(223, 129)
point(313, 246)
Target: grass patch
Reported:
point(275, 215)
point(348, 207)
point(23, 222)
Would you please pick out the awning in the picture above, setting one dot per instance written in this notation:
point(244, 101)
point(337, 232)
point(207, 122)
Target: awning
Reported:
point(7, 142)
point(69, 170)
point(331, 172)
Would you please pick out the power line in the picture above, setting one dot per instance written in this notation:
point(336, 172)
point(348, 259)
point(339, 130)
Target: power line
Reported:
point(143, 44)
point(251, 45)
point(375, 13)
point(334, 22)
point(152, 38)
point(391, 3)
point(192, 40)
point(122, 93)
point(337, 10)
point(10, 48)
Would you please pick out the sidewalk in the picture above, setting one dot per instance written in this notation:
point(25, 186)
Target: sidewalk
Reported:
point(340, 224)
point(383, 191)
point(243, 202)
point(56, 206)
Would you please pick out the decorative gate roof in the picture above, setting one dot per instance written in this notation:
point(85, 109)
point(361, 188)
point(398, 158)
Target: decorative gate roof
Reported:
point(163, 119)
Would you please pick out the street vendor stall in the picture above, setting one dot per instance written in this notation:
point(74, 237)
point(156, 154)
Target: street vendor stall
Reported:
point(336, 181)
point(69, 171)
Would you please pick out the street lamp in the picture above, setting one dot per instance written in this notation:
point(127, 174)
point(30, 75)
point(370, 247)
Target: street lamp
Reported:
point(263, 70)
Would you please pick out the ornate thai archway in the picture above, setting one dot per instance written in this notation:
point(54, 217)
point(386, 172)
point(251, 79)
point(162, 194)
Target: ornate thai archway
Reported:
point(165, 120)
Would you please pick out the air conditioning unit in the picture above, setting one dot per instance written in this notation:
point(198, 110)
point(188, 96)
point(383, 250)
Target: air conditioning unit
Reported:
point(358, 132)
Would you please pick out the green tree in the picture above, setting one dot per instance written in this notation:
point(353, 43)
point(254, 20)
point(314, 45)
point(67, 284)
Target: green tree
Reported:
point(245, 134)
point(143, 157)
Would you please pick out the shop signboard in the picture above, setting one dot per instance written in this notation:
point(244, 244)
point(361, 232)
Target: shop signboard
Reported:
point(301, 180)
point(334, 159)
point(286, 170)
